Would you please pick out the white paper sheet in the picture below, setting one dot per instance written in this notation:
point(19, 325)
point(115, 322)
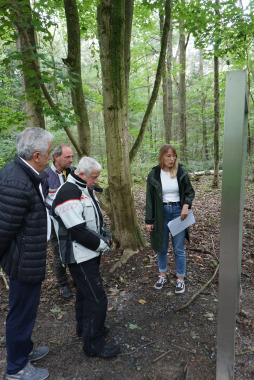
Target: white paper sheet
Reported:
point(177, 225)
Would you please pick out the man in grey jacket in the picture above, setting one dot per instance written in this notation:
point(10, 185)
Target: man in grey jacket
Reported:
point(83, 238)
point(53, 177)
point(24, 231)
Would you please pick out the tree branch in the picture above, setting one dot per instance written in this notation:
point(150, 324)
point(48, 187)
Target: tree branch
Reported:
point(198, 292)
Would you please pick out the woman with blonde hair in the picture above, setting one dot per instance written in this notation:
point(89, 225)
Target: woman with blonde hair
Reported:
point(169, 195)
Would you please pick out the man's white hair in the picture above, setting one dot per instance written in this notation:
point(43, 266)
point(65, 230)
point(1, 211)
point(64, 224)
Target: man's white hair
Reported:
point(33, 139)
point(86, 165)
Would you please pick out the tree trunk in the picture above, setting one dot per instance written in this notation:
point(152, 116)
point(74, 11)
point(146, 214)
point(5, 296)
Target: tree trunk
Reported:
point(182, 95)
point(203, 104)
point(17, 17)
point(216, 107)
point(167, 86)
point(216, 122)
point(156, 87)
point(33, 103)
point(114, 46)
point(168, 131)
point(73, 62)
point(164, 89)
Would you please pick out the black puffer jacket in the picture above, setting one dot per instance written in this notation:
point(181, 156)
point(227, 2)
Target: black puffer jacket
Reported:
point(23, 223)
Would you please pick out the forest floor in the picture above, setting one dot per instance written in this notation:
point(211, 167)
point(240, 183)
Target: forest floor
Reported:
point(156, 342)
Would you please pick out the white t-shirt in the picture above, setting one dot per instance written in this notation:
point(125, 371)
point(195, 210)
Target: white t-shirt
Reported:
point(170, 188)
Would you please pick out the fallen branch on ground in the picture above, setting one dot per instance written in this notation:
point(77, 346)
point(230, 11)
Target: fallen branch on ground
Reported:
point(198, 292)
point(244, 352)
point(161, 356)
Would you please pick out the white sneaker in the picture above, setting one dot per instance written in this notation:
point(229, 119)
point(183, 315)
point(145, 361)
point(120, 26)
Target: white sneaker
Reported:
point(161, 282)
point(180, 286)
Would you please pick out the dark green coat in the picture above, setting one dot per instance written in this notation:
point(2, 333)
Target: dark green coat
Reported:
point(154, 202)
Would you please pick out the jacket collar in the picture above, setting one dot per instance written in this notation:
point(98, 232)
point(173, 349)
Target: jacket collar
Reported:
point(29, 171)
point(74, 178)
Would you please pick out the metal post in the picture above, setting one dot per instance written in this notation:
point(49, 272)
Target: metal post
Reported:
point(234, 157)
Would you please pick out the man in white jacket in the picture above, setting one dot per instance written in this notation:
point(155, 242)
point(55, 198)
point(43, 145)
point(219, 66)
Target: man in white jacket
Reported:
point(83, 237)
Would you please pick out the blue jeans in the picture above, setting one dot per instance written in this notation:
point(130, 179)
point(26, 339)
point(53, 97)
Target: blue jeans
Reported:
point(170, 213)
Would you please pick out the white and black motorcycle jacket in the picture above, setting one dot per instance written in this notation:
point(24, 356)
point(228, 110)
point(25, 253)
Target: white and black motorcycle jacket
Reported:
point(78, 222)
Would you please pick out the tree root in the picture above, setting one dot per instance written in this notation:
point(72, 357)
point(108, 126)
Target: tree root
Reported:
point(4, 279)
point(198, 292)
point(127, 253)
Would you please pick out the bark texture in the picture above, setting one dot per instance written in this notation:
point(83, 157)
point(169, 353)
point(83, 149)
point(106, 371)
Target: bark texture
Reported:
point(203, 106)
point(113, 22)
point(33, 103)
point(182, 95)
point(216, 122)
point(216, 105)
point(167, 86)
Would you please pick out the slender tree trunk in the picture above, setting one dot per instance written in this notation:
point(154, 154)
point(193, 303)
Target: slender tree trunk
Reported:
point(114, 51)
point(150, 124)
point(73, 62)
point(216, 122)
point(164, 89)
point(203, 104)
point(156, 87)
point(167, 86)
point(33, 102)
point(216, 107)
point(182, 95)
point(168, 131)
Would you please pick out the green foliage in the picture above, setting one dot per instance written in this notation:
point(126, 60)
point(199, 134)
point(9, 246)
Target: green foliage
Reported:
point(7, 147)
point(234, 33)
point(10, 113)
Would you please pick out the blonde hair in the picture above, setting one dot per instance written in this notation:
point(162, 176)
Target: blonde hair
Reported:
point(163, 150)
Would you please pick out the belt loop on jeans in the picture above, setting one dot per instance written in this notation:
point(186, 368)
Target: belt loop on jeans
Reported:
point(171, 203)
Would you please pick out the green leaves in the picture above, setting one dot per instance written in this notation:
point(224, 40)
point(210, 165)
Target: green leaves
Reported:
point(134, 327)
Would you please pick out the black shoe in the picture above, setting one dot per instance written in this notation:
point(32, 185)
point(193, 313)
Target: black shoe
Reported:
point(109, 351)
point(105, 332)
point(65, 291)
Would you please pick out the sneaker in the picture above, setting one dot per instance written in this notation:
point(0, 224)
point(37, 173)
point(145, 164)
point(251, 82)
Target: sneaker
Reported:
point(38, 353)
point(30, 372)
point(160, 283)
point(180, 286)
point(65, 291)
point(109, 351)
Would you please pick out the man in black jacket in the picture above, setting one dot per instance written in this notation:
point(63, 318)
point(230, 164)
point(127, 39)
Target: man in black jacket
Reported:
point(24, 231)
